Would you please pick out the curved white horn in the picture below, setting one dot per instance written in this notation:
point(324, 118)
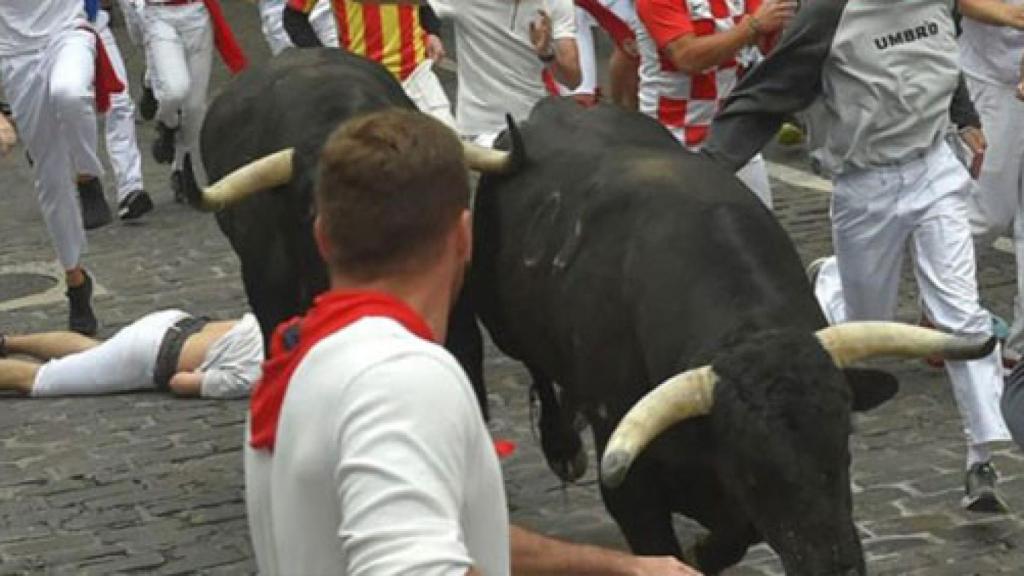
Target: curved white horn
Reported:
point(848, 343)
point(261, 174)
point(683, 396)
point(486, 160)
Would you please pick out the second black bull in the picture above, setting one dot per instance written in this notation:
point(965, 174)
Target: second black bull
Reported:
point(608, 261)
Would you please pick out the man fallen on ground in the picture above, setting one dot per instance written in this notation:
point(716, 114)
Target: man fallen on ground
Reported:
point(167, 350)
point(366, 452)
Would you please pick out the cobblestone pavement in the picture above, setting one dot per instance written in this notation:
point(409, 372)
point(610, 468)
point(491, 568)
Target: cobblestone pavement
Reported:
point(147, 483)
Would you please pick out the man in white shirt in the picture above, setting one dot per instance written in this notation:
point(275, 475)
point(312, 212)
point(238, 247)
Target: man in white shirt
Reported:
point(991, 48)
point(503, 48)
point(48, 61)
point(366, 452)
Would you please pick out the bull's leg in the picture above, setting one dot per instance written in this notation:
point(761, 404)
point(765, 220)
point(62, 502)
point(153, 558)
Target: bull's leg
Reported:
point(724, 547)
point(466, 343)
point(559, 439)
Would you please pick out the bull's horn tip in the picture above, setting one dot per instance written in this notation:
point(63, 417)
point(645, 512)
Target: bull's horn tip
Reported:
point(614, 466)
point(972, 347)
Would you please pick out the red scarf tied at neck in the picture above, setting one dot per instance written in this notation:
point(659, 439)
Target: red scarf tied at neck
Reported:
point(330, 313)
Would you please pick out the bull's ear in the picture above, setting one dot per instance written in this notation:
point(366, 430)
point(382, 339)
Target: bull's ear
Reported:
point(870, 387)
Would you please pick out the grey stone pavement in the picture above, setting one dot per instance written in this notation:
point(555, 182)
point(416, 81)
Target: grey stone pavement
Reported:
point(146, 483)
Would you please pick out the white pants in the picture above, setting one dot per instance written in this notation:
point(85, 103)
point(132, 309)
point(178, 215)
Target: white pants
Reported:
point(875, 215)
point(125, 362)
point(997, 201)
point(179, 53)
point(51, 95)
point(425, 90)
point(321, 18)
point(122, 144)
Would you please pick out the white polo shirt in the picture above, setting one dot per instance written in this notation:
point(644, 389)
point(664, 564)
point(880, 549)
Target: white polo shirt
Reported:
point(382, 465)
point(499, 72)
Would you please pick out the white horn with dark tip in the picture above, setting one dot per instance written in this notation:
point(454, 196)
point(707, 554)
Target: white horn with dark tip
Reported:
point(486, 160)
point(683, 396)
point(853, 341)
point(261, 174)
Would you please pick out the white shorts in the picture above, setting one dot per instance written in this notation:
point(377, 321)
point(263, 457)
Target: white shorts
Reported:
point(424, 88)
point(125, 362)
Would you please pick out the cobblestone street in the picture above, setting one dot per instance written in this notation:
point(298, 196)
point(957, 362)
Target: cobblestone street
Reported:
point(146, 483)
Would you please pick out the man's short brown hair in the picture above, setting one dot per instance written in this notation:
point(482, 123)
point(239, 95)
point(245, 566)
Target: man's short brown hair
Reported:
point(391, 186)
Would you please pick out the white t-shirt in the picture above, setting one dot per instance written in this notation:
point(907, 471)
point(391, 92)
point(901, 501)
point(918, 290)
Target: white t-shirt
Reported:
point(233, 363)
point(499, 72)
point(991, 53)
point(382, 465)
point(27, 25)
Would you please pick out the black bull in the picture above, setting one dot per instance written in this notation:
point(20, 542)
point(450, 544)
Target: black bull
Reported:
point(609, 261)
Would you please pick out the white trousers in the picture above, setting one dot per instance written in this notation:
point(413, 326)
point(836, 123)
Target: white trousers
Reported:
point(997, 200)
point(277, 38)
point(179, 53)
point(122, 144)
point(51, 96)
point(424, 88)
point(876, 214)
point(124, 362)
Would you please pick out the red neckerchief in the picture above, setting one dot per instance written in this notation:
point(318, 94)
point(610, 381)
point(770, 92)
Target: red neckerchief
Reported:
point(330, 313)
point(224, 39)
point(105, 79)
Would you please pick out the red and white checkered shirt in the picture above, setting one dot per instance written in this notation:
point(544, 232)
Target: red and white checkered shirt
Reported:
point(686, 103)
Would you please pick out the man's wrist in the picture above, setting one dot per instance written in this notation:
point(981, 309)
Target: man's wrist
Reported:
point(753, 25)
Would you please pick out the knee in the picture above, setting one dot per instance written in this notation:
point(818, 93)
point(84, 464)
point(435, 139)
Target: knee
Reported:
point(972, 321)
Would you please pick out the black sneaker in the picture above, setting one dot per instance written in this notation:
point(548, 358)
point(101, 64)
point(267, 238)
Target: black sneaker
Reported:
point(134, 205)
point(980, 493)
point(81, 319)
point(95, 211)
point(178, 186)
point(163, 146)
point(148, 104)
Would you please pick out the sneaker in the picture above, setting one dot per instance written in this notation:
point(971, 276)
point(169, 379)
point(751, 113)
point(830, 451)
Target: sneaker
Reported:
point(148, 103)
point(163, 146)
point(980, 489)
point(95, 210)
point(178, 186)
point(790, 134)
point(814, 268)
point(81, 319)
point(134, 205)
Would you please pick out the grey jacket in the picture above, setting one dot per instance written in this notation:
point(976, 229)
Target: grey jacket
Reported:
point(885, 77)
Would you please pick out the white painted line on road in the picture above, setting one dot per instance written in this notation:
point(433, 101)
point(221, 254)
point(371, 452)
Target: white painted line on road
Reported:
point(799, 178)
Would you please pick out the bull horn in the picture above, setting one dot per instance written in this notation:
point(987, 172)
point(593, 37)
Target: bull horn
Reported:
point(490, 161)
point(261, 174)
point(848, 343)
point(683, 396)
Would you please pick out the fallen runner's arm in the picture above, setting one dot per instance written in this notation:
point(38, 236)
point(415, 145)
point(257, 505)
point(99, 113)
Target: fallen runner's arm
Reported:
point(296, 23)
point(994, 12)
point(187, 383)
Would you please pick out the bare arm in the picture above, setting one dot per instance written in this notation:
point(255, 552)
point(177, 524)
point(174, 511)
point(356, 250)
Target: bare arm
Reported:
point(566, 66)
point(694, 54)
point(993, 12)
point(536, 555)
point(187, 383)
point(8, 137)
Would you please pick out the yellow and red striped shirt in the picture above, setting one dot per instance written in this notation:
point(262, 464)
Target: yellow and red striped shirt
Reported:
point(387, 33)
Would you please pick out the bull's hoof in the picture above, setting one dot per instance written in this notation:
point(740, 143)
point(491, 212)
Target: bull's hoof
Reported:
point(571, 469)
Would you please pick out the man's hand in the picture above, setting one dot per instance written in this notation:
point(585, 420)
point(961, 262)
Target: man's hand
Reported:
point(8, 137)
point(662, 566)
point(772, 16)
point(974, 138)
point(540, 35)
point(435, 48)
